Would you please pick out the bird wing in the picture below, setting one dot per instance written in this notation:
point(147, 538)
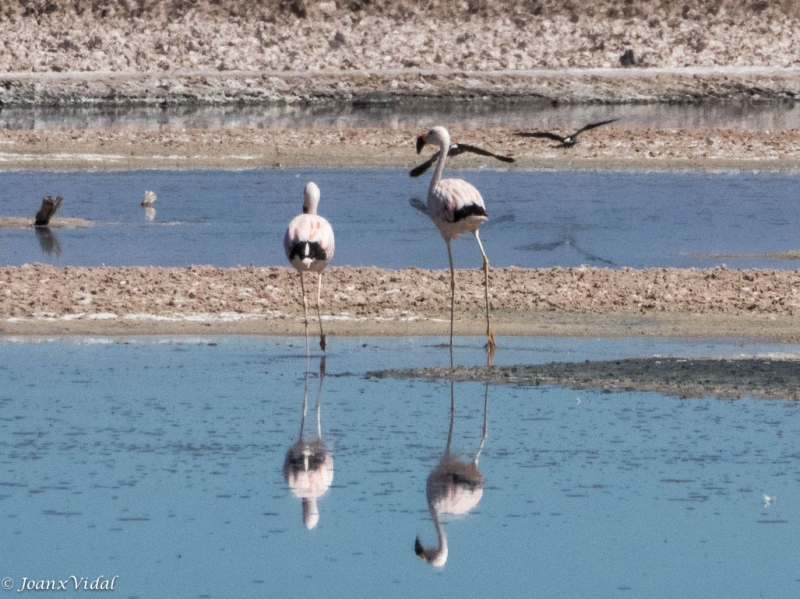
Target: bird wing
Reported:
point(593, 125)
point(417, 204)
point(455, 150)
point(311, 228)
point(451, 196)
point(461, 148)
point(545, 134)
point(418, 170)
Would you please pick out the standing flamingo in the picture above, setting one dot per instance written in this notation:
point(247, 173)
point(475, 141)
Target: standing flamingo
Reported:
point(309, 246)
point(455, 207)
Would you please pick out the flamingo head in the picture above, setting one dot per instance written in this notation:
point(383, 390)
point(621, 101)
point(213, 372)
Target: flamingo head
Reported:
point(435, 556)
point(438, 136)
point(310, 198)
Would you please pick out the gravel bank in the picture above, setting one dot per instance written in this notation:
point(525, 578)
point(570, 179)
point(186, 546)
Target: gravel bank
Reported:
point(119, 52)
point(763, 304)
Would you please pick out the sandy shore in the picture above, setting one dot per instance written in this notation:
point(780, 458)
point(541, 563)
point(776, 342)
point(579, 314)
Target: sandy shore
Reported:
point(617, 146)
point(580, 302)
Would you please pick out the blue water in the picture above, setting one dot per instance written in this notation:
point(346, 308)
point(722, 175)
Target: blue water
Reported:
point(159, 460)
point(537, 219)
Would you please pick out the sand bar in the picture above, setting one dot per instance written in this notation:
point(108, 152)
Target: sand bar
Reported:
point(575, 302)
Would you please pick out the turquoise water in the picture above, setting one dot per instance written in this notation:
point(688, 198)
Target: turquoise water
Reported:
point(159, 461)
point(537, 219)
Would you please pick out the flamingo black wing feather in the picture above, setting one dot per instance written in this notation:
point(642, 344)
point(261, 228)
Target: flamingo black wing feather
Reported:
point(593, 125)
point(545, 134)
point(480, 152)
point(420, 169)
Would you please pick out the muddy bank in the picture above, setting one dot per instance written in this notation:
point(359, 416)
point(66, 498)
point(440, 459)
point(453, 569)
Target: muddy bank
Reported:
point(386, 87)
point(621, 145)
point(759, 304)
point(726, 378)
point(17, 222)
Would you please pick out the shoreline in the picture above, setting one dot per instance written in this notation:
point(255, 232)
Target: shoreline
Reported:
point(393, 87)
point(614, 147)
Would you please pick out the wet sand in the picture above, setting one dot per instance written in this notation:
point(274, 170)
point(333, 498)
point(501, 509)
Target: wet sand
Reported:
point(773, 377)
point(616, 146)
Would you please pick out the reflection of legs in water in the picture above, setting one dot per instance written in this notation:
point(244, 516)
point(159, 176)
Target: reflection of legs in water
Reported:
point(319, 396)
point(485, 421)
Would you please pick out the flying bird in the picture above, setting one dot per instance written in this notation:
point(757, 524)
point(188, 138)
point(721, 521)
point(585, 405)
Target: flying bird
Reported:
point(309, 246)
point(564, 142)
point(455, 150)
point(455, 207)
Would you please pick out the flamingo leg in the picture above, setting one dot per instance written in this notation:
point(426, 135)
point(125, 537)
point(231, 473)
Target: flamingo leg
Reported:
point(319, 314)
point(490, 343)
point(305, 305)
point(452, 292)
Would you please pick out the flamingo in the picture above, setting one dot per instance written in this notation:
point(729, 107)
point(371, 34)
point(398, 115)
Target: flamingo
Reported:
point(453, 486)
point(308, 467)
point(309, 246)
point(147, 204)
point(455, 207)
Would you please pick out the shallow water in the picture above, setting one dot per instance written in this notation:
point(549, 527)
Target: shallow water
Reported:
point(537, 219)
point(159, 460)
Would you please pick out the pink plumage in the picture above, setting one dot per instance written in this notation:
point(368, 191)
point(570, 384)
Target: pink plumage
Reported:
point(309, 246)
point(454, 198)
point(456, 207)
point(309, 242)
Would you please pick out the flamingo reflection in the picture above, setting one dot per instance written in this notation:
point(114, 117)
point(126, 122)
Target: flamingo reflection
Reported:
point(453, 486)
point(308, 467)
point(147, 205)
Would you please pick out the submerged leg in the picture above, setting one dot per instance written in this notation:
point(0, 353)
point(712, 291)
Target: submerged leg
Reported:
point(319, 314)
point(490, 344)
point(452, 291)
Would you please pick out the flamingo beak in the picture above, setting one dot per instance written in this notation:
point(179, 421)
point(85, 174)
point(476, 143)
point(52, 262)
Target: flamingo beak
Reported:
point(421, 141)
point(419, 550)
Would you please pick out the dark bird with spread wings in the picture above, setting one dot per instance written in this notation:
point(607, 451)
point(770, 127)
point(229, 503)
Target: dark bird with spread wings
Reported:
point(455, 150)
point(564, 142)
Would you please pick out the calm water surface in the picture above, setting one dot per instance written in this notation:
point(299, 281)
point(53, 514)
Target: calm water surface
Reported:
point(159, 460)
point(537, 219)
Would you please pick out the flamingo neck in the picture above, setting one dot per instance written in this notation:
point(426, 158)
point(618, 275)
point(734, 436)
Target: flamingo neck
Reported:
point(437, 174)
point(438, 556)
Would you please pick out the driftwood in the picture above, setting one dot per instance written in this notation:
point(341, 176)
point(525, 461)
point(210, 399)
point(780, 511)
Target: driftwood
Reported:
point(47, 211)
